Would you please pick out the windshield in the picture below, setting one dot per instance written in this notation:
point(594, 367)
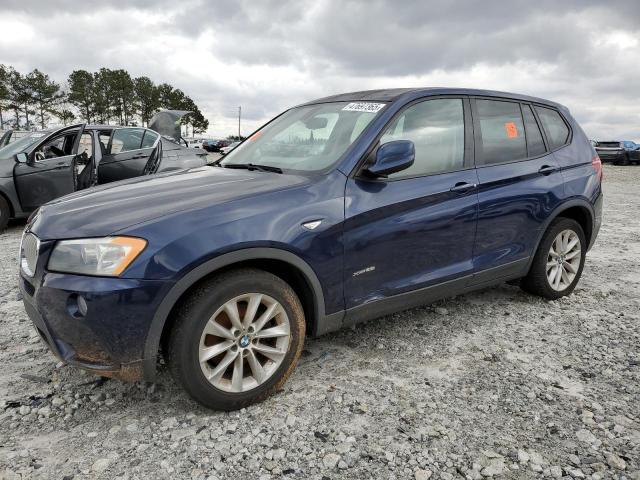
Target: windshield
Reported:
point(310, 138)
point(21, 144)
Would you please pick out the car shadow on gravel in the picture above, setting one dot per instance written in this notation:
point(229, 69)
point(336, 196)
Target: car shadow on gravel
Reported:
point(422, 328)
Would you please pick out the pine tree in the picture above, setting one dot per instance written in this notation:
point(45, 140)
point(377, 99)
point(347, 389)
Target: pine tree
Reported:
point(4, 92)
point(81, 93)
point(45, 95)
point(147, 98)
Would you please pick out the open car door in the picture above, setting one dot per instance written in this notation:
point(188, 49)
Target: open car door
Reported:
point(88, 176)
point(50, 169)
point(6, 138)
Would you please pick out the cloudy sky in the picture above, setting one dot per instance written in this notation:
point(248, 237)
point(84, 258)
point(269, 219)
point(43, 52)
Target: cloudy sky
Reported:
point(268, 55)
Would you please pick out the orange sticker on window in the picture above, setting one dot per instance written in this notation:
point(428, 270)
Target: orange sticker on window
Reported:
point(255, 136)
point(511, 129)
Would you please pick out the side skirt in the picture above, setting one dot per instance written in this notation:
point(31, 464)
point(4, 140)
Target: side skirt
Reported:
point(423, 296)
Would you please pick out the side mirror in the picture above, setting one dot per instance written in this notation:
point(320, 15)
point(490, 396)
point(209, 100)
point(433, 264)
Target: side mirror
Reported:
point(393, 157)
point(22, 158)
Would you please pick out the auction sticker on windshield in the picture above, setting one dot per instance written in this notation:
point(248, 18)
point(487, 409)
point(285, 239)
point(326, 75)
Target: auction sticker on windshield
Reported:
point(364, 107)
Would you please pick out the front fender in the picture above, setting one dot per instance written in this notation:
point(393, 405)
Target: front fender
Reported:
point(8, 191)
point(152, 342)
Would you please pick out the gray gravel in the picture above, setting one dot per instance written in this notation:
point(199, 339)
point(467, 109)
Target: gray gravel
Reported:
point(491, 383)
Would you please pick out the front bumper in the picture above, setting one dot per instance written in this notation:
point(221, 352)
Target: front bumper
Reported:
point(109, 338)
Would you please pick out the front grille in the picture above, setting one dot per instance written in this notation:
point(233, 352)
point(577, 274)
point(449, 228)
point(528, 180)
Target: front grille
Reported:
point(29, 249)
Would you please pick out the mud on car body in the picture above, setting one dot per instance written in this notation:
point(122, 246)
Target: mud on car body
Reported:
point(340, 210)
point(48, 164)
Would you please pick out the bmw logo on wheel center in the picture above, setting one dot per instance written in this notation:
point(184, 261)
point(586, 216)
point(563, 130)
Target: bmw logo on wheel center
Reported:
point(244, 341)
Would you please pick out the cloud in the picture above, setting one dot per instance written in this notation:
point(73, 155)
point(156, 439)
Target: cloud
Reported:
point(269, 55)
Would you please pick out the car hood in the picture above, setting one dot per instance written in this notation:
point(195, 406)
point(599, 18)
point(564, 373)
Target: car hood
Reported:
point(104, 210)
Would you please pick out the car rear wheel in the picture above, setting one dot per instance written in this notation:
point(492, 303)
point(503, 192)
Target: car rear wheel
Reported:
point(623, 162)
point(5, 213)
point(237, 339)
point(558, 262)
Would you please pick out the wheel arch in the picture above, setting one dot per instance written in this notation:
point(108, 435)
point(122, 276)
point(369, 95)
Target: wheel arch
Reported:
point(576, 209)
point(282, 263)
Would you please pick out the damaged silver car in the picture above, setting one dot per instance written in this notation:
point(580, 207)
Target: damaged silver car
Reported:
point(49, 164)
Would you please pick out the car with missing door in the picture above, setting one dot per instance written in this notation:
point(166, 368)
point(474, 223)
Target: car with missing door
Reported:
point(337, 211)
point(48, 164)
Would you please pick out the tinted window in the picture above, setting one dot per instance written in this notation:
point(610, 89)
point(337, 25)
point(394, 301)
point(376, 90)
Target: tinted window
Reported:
point(126, 139)
point(557, 130)
point(149, 139)
point(535, 144)
point(436, 127)
point(501, 132)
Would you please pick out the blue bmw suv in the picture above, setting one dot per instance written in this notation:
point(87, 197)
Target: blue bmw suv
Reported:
point(337, 211)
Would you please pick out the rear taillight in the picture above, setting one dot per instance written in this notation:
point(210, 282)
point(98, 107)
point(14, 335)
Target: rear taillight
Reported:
point(597, 166)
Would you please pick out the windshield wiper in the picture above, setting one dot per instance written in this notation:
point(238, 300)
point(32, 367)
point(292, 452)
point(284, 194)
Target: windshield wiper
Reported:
point(253, 166)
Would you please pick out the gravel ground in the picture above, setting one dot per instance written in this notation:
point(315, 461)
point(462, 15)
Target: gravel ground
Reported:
point(487, 384)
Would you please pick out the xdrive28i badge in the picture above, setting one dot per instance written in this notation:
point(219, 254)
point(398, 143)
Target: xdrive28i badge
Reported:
point(364, 270)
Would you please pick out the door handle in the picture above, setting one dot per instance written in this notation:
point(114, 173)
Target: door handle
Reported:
point(547, 169)
point(463, 187)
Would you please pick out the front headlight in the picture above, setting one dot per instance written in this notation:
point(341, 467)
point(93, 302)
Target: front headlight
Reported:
point(108, 256)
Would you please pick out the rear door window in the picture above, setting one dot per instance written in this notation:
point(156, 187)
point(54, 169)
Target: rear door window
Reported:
point(535, 143)
point(126, 139)
point(557, 130)
point(502, 136)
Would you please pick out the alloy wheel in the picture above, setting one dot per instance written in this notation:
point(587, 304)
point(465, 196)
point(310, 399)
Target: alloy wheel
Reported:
point(244, 342)
point(563, 260)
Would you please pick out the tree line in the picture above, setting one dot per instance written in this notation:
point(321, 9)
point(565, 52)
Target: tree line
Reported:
point(107, 96)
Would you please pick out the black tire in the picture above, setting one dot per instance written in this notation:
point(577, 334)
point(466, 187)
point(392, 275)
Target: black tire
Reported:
point(5, 213)
point(624, 162)
point(536, 281)
point(193, 315)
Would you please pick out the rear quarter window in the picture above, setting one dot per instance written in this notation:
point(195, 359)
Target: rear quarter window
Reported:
point(535, 143)
point(149, 139)
point(558, 132)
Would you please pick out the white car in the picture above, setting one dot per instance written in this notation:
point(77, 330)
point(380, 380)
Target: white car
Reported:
point(194, 142)
point(228, 148)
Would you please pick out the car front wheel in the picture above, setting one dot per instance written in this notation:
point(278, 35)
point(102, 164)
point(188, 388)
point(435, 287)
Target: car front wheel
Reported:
point(558, 262)
point(237, 339)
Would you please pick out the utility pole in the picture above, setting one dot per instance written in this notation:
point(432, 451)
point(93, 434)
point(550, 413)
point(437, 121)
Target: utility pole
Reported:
point(239, 116)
